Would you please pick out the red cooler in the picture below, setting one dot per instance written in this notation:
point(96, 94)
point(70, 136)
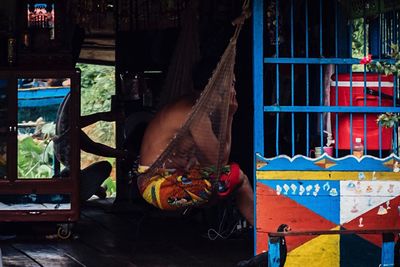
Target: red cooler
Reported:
point(342, 137)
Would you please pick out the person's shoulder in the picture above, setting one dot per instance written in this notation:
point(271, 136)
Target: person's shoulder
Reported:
point(183, 103)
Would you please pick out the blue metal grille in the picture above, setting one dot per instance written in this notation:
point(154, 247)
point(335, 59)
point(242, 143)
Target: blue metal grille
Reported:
point(302, 51)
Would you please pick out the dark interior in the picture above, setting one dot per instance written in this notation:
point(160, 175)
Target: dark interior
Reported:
point(137, 37)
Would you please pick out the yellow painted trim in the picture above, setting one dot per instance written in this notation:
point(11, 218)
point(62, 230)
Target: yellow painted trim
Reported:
point(324, 175)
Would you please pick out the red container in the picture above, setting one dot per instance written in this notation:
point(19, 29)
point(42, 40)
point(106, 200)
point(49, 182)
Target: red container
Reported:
point(371, 96)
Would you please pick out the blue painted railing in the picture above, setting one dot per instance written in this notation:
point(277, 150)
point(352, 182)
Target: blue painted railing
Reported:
point(313, 106)
point(269, 61)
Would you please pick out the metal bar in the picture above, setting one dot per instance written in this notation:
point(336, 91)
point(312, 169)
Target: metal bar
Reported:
point(396, 39)
point(277, 74)
point(274, 257)
point(380, 36)
point(344, 109)
point(365, 104)
point(292, 76)
point(321, 87)
point(351, 115)
point(321, 101)
point(395, 127)
point(382, 21)
point(277, 28)
point(307, 60)
point(351, 98)
point(307, 80)
point(389, 28)
point(365, 139)
point(387, 252)
point(258, 92)
point(395, 26)
point(387, 34)
point(379, 125)
point(277, 134)
point(258, 70)
point(336, 114)
point(335, 131)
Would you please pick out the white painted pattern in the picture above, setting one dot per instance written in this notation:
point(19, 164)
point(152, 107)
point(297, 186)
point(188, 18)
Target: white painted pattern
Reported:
point(359, 197)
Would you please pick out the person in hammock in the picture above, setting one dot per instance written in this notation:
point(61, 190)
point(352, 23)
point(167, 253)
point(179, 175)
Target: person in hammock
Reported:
point(184, 181)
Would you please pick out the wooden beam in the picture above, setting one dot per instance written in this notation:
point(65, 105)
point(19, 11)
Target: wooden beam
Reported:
point(97, 55)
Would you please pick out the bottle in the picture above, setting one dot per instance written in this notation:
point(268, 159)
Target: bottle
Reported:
point(11, 45)
point(135, 91)
point(358, 148)
point(26, 40)
point(147, 95)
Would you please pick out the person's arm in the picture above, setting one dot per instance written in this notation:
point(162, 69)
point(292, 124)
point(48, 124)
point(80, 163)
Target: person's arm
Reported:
point(89, 146)
point(233, 106)
point(100, 116)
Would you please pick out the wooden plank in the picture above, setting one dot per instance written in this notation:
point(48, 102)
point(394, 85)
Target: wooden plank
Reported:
point(135, 238)
point(157, 239)
point(89, 256)
point(100, 54)
point(46, 255)
point(12, 257)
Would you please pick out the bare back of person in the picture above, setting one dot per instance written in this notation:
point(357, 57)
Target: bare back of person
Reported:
point(162, 129)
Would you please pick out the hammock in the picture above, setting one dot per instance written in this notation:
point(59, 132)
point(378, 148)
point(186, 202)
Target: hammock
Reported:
point(178, 81)
point(213, 104)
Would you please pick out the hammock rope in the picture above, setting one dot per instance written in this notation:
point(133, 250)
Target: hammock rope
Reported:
point(212, 102)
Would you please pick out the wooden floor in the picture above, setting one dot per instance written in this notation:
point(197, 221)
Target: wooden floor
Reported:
point(112, 235)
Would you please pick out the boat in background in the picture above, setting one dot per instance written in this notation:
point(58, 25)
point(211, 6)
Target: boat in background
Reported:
point(41, 96)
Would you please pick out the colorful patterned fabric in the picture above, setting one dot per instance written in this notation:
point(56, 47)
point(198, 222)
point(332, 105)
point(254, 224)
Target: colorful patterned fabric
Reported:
point(177, 189)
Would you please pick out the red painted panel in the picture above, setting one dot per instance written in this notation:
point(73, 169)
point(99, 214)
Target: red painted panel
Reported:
point(284, 210)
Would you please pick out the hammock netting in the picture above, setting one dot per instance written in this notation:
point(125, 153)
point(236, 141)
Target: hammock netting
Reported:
point(211, 107)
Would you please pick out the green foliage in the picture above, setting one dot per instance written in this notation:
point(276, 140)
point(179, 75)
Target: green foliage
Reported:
point(388, 67)
point(388, 120)
point(97, 86)
point(359, 45)
point(110, 185)
point(35, 158)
